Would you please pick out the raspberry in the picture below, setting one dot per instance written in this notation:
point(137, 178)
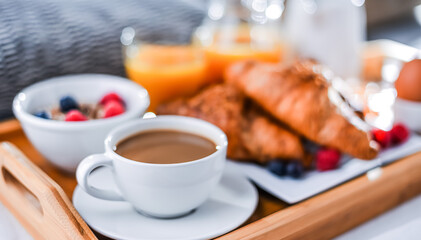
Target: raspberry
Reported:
point(400, 133)
point(75, 116)
point(112, 96)
point(384, 138)
point(327, 159)
point(113, 108)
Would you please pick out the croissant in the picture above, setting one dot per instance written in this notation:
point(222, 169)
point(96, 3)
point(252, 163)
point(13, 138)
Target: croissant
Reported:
point(252, 134)
point(305, 101)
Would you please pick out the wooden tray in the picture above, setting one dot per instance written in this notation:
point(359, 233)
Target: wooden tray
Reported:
point(321, 217)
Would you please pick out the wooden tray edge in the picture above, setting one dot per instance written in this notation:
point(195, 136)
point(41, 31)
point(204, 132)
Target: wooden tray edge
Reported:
point(349, 204)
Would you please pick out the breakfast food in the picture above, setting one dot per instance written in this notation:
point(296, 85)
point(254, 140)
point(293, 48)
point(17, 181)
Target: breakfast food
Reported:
point(252, 133)
point(75, 116)
point(165, 147)
point(221, 49)
point(113, 108)
point(327, 159)
point(288, 118)
point(397, 135)
point(303, 99)
point(400, 133)
point(70, 110)
point(286, 168)
point(166, 71)
point(68, 103)
point(408, 84)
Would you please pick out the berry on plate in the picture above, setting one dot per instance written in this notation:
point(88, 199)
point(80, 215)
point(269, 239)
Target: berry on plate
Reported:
point(68, 103)
point(112, 96)
point(295, 169)
point(42, 114)
point(277, 167)
point(113, 108)
point(327, 159)
point(384, 138)
point(75, 116)
point(400, 133)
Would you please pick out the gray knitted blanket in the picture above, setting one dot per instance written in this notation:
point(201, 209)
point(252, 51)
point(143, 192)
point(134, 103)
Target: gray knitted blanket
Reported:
point(45, 38)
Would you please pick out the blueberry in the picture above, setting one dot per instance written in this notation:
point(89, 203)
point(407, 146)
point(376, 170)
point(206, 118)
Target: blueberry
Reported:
point(295, 169)
point(277, 167)
point(42, 114)
point(68, 103)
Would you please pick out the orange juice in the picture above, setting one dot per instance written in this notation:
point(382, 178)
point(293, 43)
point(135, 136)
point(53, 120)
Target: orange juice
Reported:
point(219, 60)
point(230, 44)
point(167, 72)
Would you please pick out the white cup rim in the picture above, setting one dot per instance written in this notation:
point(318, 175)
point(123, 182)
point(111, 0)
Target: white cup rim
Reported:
point(111, 140)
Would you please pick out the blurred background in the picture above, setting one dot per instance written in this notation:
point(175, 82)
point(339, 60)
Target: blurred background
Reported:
point(45, 38)
point(395, 20)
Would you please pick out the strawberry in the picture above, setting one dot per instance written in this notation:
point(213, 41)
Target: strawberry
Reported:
point(384, 138)
point(112, 96)
point(400, 133)
point(75, 116)
point(327, 159)
point(113, 108)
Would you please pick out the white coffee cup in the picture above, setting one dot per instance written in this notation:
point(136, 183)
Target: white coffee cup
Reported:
point(158, 190)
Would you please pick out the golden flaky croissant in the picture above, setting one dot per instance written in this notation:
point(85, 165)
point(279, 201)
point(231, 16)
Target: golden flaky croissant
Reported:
point(252, 134)
point(304, 100)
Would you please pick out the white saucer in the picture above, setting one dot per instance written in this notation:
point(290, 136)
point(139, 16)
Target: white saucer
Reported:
point(230, 205)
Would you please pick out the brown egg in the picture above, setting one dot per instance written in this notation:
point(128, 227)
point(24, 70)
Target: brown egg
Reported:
point(408, 84)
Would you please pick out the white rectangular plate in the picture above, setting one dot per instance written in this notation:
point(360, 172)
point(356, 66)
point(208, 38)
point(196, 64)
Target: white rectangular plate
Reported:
point(295, 190)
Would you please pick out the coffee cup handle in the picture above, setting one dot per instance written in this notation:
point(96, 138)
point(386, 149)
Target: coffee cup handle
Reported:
point(86, 167)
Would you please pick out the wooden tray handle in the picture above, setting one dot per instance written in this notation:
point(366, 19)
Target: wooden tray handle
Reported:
point(38, 202)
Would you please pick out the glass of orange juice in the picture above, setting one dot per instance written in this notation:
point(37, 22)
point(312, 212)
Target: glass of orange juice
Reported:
point(167, 70)
point(236, 30)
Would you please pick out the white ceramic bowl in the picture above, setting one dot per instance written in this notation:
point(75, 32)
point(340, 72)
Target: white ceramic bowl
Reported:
point(409, 113)
point(65, 144)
